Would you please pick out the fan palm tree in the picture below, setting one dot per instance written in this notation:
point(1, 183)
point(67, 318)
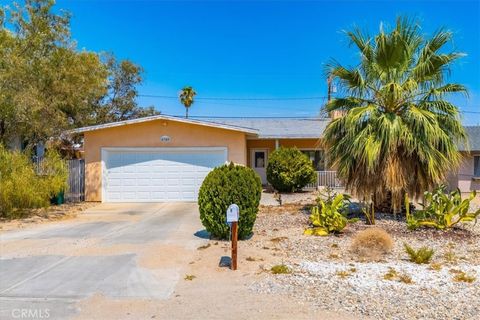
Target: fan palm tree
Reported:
point(186, 98)
point(398, 132)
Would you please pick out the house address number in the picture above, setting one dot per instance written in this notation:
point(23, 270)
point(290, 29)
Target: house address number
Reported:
point(165, 138)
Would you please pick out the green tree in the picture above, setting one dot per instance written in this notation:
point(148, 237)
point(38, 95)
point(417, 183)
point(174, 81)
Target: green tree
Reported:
point(398, 131)
point(186, 98)
point(48, 86)
point(120, 101)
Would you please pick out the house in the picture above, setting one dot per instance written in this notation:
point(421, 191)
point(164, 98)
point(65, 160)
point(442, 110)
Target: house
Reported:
point(467, 178)
point(165, 158)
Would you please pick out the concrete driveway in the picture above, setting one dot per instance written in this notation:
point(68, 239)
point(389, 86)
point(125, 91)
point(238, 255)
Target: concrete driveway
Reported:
point(120, 251)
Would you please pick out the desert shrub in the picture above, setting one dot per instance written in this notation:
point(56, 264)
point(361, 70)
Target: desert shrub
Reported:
point(222, 187)
point(442, 210)
point(328, 216)
point(280, 269)
point(22, 188)
point(372, 243)
point(289, 170)
point(421, 255)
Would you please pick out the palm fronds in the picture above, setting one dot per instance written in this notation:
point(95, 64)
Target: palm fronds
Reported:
point(398, 133)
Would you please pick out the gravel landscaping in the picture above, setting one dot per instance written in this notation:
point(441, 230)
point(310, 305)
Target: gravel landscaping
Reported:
point(327, 274)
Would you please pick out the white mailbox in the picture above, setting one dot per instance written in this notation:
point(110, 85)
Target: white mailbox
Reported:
point(232, 213)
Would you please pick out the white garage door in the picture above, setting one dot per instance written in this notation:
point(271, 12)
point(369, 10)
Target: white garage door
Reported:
point(157, 174)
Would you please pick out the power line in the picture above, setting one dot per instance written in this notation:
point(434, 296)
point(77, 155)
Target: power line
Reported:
point(252, 117)
point(255, 99)
point(235, 99)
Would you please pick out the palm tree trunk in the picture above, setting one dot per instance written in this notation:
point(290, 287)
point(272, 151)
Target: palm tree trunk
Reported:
point(186, 112)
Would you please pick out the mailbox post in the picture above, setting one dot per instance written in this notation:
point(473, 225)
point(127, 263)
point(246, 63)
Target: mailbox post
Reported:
point(232, 220)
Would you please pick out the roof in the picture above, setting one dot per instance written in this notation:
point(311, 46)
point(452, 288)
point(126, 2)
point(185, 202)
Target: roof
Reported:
point(473, 133)
point(267, 128)
point(171, 118)
point(280, 128)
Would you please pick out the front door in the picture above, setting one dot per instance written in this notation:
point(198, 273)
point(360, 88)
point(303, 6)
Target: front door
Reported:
point(259, 163)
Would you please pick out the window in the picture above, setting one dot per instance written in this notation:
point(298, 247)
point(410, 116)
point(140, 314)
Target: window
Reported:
point(259, 159)
point(317, 157)
point(476, 166)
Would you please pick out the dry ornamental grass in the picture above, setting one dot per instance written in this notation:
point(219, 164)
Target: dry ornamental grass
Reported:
point(372, 244)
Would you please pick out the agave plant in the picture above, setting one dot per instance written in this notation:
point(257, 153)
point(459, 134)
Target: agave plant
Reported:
point(398, 131)
point(442, 210)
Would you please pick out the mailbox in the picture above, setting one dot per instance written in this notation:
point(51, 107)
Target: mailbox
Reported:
point(232, 213)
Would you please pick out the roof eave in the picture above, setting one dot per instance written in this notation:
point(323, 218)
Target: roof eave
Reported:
point(162, 117)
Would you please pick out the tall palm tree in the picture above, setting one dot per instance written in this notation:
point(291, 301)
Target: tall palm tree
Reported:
point(186, 98)
point(398, 132)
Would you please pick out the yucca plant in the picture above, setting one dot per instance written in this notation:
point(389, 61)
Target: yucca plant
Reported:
point(398, 131)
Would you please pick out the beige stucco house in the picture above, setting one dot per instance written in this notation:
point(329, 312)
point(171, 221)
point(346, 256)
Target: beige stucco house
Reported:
point(164, 158)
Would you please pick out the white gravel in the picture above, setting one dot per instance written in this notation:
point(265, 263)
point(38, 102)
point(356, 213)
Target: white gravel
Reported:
point(432, 295)
point(315, 262)
point(369, 276)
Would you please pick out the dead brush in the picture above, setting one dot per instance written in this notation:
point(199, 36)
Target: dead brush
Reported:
point(464, 277)
point(278, 239)
point(371, 244)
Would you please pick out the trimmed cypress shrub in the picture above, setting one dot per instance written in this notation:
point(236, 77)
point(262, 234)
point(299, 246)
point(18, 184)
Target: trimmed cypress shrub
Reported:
point(289, 170)
point(222, 187)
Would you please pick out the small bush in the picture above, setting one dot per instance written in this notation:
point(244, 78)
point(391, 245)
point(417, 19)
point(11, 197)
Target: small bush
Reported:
point(280, 269)
point(289, 170)
point(222, 187)
point(22, 188)
point(420, 256)
point(372, 243)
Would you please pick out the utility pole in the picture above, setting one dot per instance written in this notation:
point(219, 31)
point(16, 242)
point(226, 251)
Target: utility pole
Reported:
point(329, 90)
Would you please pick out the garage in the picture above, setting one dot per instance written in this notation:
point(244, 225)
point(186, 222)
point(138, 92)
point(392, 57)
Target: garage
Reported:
point(157, 159)
point(157, 174)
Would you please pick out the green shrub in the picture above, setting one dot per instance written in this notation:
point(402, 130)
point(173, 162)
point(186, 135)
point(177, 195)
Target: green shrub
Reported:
point(442, 210)
point(280, 269)
point(21, 188)
point(328, 216)
point(289, 170)
point(222, 187)
point(422, 255)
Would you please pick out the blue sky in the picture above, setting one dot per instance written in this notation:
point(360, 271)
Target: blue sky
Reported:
point(267, 50)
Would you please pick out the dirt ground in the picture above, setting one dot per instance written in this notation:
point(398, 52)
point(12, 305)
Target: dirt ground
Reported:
point(187, 284)
point(45, 215)
point(213, 292)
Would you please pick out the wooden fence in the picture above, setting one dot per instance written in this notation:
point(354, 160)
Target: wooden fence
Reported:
point(76, 178)
point(76, 181)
